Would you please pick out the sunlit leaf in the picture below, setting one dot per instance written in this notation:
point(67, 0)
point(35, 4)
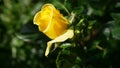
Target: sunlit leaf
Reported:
point(116, 33)
point(65, 45)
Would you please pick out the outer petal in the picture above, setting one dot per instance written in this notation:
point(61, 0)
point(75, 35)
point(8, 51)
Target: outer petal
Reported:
point(43, 18)
point(68, 34)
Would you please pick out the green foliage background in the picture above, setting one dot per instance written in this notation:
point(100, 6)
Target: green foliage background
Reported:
point(95, 45)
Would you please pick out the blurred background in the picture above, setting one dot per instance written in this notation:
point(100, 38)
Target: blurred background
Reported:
point(22, 45)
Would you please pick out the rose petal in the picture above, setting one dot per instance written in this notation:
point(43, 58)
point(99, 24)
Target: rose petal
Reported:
point(61, 38)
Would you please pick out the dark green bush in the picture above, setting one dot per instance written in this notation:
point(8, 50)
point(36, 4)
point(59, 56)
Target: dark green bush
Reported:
point(95, 44)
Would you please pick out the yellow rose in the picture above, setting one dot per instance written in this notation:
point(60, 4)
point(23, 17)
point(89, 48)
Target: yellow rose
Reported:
point(53, 24)
point(50, 21)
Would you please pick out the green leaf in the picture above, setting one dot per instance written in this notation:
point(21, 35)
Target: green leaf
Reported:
point(117, 4)
point(116, 33)
point(28, 38)
point(65, 45)
point(65, 58)
point(116, 17)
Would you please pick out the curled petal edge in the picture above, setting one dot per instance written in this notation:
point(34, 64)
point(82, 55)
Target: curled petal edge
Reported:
point(68, 34)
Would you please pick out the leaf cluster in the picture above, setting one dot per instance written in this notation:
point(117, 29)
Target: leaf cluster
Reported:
point(96, 25)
